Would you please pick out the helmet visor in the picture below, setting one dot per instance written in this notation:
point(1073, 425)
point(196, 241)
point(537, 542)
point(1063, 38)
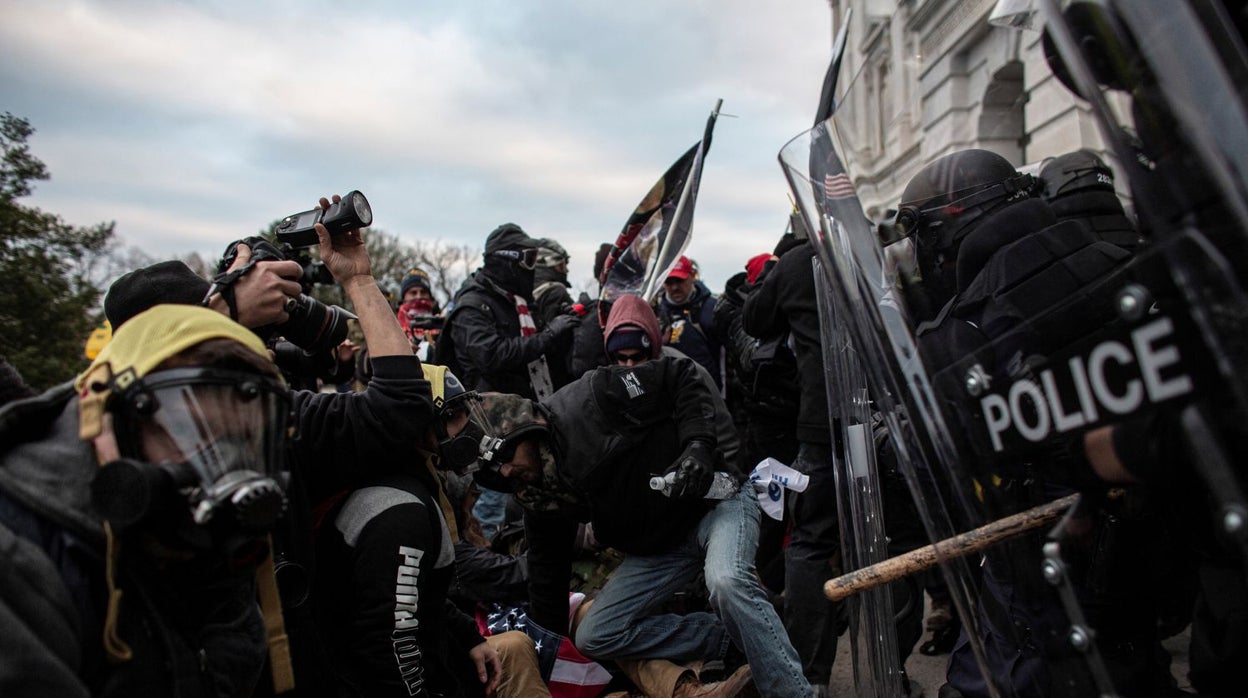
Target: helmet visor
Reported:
point(214, 421)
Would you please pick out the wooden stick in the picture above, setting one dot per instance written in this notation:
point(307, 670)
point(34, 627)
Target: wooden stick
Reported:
point(929, 556)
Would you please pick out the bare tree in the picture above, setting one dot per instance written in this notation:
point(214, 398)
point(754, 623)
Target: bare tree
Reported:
point(448, 265)
point(206, 268)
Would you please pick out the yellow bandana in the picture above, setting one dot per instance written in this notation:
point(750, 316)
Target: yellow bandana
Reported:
point(436, 375)
point(142, 344)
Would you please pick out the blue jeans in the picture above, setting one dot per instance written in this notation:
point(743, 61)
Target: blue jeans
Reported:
point(491, 511)
point(620, 624)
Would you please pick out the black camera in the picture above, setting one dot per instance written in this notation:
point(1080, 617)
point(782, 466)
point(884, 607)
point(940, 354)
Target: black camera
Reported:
point(314, 271)
point(313, 326)
point(350, 213)
point(424, 321)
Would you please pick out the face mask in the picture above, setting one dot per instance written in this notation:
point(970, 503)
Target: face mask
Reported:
point(461, 452)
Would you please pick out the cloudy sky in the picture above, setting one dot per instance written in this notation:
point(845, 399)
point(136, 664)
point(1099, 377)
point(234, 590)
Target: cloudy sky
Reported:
point(197, 122)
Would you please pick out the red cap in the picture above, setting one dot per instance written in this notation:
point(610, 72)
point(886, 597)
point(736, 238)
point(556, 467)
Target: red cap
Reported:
point(754, 267)
point(682, 270)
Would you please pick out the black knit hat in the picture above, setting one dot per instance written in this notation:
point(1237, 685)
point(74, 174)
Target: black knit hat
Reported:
point(163, 282)
point(628, 337)
point(415, 277)
point(508, 236)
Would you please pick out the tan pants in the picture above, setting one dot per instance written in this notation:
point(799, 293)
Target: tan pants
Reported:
point(656, 678)
point(520, 677)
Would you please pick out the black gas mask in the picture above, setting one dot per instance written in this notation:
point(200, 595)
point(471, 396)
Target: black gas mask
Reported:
point(201, 456)
point(461, 451)
point(458, 409)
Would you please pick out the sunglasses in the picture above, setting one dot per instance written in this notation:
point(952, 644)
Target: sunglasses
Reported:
point(526, 258)
point(626, 355)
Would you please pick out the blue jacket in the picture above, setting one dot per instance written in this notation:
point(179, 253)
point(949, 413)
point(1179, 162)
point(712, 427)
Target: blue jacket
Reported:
point(690, 327)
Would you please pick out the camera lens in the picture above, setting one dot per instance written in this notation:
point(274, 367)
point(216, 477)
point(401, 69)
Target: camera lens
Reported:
point(314, 326)
point(363, 212)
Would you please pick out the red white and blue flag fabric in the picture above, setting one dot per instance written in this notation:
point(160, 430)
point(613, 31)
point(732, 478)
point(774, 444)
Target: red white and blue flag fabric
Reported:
point(567, 672)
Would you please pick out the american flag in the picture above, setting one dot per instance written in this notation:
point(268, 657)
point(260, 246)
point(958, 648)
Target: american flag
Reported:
point(567, 672)
point(838, 186)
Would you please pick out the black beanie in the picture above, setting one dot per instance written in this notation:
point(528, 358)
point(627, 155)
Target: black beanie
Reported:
point(508, 236)
point(628, 337)
point(415, 277)
point(163, 282)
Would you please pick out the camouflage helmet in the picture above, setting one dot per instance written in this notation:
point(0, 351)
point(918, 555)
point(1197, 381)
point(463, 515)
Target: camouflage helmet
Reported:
point(550, 254)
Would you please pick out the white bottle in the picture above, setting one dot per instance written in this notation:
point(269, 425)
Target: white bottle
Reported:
point(723, 485)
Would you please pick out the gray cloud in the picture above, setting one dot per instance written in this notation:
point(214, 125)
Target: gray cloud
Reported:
point(191, 124)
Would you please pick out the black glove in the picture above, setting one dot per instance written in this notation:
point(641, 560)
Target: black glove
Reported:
point(694, 469)
point(562, 324)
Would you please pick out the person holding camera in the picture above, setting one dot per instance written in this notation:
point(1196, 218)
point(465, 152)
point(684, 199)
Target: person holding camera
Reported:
point(364, 430)
point(419, 314)
point(135, 505)
point(339, 438)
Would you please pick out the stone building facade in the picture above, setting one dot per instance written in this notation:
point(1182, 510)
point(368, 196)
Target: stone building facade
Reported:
point(922, 78)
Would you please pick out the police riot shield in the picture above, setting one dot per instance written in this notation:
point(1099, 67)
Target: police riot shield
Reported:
point(1017, 353)
point(899, 389)
point(864, 539)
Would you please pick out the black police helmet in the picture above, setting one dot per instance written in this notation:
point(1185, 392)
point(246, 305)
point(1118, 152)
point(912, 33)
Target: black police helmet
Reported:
point(941, 202)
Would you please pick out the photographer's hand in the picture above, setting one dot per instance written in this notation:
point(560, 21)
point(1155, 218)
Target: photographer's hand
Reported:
point(344, 255)
point(261, 294)
point(347, 259)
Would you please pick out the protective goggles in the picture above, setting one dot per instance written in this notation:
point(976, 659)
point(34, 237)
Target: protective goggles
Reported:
point(526, 258)
point(927, 225)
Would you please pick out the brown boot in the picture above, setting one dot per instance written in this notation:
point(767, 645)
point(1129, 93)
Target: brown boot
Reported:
point(731, 686)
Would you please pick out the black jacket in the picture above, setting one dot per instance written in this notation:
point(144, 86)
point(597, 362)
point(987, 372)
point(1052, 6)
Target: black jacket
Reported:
point(194, 627)
point(482, 344)
point(342, 438)
point(588, 351)
point(52, 549)
point(387, 560)
point(612, 430)
point(785, 301)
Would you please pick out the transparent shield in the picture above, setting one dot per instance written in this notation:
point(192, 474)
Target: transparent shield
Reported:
point(1167, 83)
point(851, 256)
point(996, 332)
point(861, 514)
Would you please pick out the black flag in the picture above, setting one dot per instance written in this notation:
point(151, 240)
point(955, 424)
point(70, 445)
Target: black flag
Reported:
point(658, 231)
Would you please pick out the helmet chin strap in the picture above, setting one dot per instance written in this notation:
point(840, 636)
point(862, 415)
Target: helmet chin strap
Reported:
point(448, 512)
